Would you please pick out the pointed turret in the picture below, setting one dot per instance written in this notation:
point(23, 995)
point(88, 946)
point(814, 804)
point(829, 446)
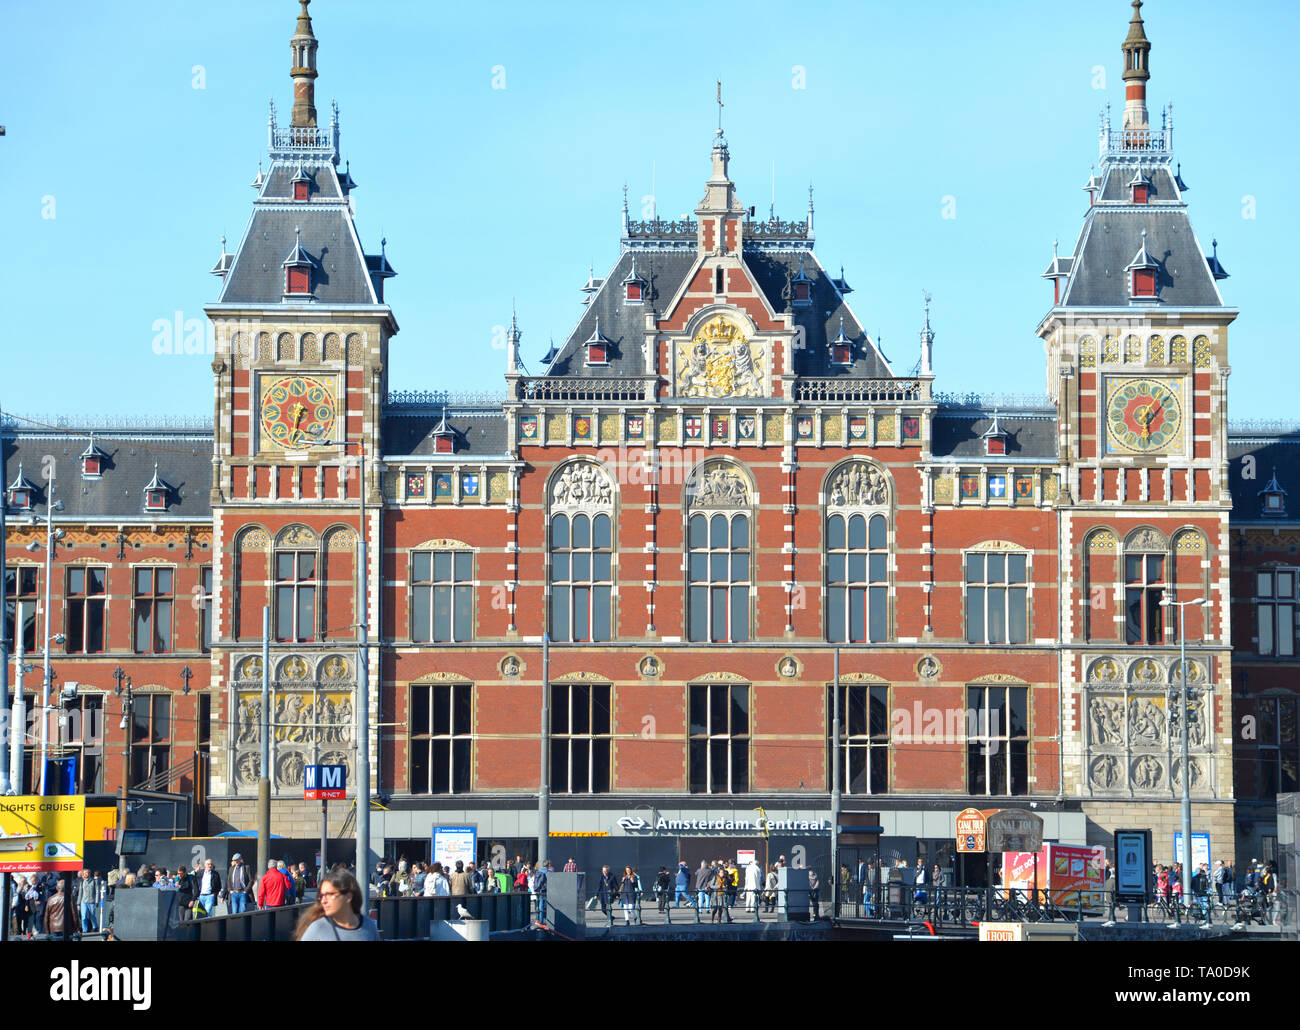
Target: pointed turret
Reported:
point(1137, 50)
point(719, 212)
point(927, 342)
point(303, 70)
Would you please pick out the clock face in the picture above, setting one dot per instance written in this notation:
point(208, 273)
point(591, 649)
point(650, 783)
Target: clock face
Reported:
point(297, 411)
point(1144, 416)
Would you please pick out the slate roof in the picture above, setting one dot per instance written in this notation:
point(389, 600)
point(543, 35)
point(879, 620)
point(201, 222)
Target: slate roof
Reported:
point(1112, 235)
point(1271, 451)
point(624, 324)
point(821, 319)
point(183, 457)
point(480, 432)
point(960, 434)
point(328, 235)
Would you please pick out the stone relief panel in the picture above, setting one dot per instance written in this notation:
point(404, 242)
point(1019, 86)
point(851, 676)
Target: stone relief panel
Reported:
point(858, 485)
point(1132, 726)
point(311, 718)
point(720, 362)
point(583, 485)
point(718, 486)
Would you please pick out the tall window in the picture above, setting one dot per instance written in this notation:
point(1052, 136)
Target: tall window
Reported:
point(442, 596)
point(719, 739)
point(857, 577)
point(1278, 747)
point(205, 608)
point(86, 610)
point(295, 595)
point(997, 598)
point(1275, 612)
point(863, 747)
point(718, 568)
point(20, 586)
point(1144, 579)
point(150, 740)
point(441, 745)
point(81, 732)
point(152, 624)
point(997, 740)
point(580, 738)
point(582, 555)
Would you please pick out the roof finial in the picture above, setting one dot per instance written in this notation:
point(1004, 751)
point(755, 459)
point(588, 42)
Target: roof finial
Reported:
point(303, 71)
point(720, 105)
point(810, 207)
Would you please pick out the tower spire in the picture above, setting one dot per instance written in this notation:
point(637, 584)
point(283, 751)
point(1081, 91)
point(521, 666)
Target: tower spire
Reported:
point(302, 69)
point(1137, 70)
point(927, 340)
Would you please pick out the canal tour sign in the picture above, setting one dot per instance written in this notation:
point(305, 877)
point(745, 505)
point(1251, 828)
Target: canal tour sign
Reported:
point(639, 824)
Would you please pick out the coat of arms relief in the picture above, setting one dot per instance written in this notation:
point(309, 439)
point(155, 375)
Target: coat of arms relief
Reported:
point(719, 362)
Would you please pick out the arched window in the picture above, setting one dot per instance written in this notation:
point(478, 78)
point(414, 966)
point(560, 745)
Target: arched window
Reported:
point(581, 552)
point(857, 574)
point(857, 554)
point(582, 555)
point(719, 576)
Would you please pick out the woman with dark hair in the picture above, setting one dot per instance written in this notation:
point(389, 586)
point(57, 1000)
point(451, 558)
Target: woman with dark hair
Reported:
point(184, 893)
point(336, 916)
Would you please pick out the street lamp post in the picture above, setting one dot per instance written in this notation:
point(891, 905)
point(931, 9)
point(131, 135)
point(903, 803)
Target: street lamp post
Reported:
point(1182, 721)
point(51, 506)
point(363, 661)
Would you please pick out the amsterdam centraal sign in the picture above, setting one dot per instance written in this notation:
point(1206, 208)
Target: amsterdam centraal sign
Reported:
point(637, 824)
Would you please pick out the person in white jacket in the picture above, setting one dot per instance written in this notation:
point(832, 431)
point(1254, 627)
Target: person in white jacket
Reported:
point(753, 878)
point(436, 884)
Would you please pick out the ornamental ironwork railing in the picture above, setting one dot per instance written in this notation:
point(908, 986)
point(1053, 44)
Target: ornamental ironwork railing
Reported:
point(660, 227)
point(776, 229)
point(869, 391)
point(1262, 426)
point(108, 423)
point(1003, 403)
point(1139, 141)
point(451, 398)
point(555, 388)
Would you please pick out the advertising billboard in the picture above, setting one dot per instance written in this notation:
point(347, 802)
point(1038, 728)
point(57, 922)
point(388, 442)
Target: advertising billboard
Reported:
point(42, 834)
point(1063, 871)
point(452, 844)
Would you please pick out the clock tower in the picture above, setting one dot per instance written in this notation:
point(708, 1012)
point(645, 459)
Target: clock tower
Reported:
point(1137, 366)
point(299, 378)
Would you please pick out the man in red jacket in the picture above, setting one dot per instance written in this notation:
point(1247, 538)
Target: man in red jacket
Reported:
point(270, 890)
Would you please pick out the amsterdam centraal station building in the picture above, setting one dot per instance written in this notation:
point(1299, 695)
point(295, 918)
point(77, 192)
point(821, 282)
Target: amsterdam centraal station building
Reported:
point(716, 481)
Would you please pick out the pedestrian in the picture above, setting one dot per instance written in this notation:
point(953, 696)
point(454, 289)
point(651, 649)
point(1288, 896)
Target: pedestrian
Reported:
point(289, 896)
point(184, 895)
point(239, 883)
point(270, 889)
point(663, 884)
point(753, 878)
point(627, 895)
point(814, 892)
point(57, 911)
point(721, 892)
point(209, 889)
point(539, 889)
point(87, 900)
point(606, 890)
point(681, 884)
point(571, 866)
point(337, 915)
point(919, 896)
point(436, 884)
point(1228, 882)
point(773, 888)
point(703, 875)
point(462, 883)
point(871, 888)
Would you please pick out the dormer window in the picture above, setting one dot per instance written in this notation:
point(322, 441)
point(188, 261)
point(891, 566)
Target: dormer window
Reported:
point(1273, 499)
point(301, 184)
point(92, 461)
point(298, 268)
point(1140, 186)
point(156, 493)
point(801, 286)
point(20, 492)
point(995, 439)
point(841, 347)
point(1143, 269)
point(598, 347)
point(444, 436)
point(634, 286)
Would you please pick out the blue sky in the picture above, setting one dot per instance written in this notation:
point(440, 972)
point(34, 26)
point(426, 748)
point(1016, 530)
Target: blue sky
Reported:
point(138, 127)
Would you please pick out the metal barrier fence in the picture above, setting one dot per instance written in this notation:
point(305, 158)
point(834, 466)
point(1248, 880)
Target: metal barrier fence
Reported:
point(407, 918)
point(261, 924)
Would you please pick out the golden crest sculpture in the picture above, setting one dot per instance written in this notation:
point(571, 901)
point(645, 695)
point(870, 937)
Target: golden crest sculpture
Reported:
point(719, 362)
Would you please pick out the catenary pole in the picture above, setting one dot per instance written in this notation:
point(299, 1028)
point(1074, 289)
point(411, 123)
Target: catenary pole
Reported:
point(264, 767)
point(835, 790)
point(544, 791)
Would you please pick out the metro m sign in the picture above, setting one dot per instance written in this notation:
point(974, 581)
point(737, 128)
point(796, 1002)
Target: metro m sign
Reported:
point(324, 783)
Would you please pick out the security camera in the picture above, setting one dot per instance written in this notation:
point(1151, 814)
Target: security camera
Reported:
point(69, 692)
point(59, 638)
point(33, 547)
